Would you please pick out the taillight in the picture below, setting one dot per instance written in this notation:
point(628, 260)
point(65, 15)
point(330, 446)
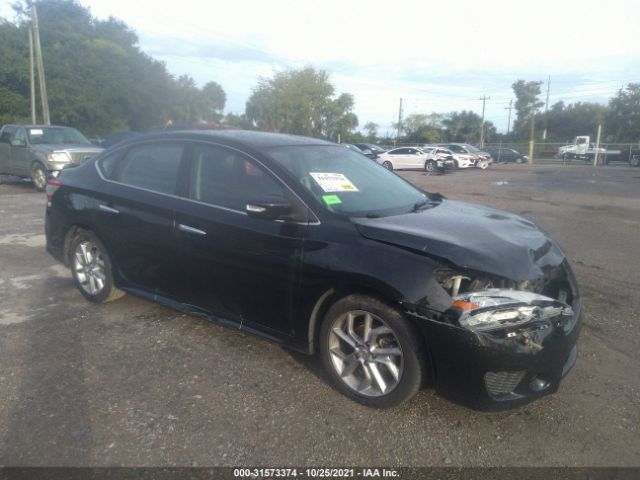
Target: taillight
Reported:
point(53, 184)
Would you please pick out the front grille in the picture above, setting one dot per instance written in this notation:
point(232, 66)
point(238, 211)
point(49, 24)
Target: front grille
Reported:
point(81, 157)
point(502, 383)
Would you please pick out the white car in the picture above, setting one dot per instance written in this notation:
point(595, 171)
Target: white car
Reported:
point(409, 157)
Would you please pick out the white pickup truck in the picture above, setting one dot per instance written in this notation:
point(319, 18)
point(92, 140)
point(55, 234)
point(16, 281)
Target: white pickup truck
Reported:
point(580, 149)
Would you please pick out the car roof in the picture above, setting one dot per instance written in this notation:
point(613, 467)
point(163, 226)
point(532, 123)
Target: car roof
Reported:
point(35, 126)
point(248, 138)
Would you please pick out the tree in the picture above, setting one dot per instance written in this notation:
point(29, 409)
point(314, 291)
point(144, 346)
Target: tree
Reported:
point(240, 121)
point(213, 98)
point(465, 126)
point(526, 104)
point(566, 121)
point(301, 102)
point(371, 128)
point(422, 128)
point(98, 79)
point(623, 119)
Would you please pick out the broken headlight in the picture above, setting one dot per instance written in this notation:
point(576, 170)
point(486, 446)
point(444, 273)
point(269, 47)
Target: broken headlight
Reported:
point(495, 308)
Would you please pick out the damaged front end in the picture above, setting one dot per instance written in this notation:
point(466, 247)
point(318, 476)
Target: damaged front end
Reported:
point(502, 343)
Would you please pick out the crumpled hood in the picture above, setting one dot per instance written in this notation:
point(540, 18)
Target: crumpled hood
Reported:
point(470, 236)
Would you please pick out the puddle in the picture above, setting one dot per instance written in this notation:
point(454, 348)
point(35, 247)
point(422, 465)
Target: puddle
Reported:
point(500, 183)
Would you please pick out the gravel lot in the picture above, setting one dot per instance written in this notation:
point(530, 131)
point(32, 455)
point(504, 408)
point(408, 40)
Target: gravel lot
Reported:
point(133, 383)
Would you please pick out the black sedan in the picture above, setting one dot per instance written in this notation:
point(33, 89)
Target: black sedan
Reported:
point(501, 154)
point(312, 245)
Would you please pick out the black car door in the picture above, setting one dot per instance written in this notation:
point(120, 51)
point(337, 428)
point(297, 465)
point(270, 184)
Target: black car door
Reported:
point(238, 267)
point(134, 212)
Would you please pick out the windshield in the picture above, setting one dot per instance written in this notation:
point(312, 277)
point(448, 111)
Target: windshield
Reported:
point(347, 183)
point(472, 149)
point(56, 136)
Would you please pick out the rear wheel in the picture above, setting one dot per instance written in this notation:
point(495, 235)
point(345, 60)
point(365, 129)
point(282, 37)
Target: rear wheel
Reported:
point(387, 164)
point(39, 177)
point(371, 353)
point(91, 268)
point(635, 161)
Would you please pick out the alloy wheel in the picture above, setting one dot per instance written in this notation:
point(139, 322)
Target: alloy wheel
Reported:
point(39, 178)
point(387, 165)
point(365, 353)
point(88, 266)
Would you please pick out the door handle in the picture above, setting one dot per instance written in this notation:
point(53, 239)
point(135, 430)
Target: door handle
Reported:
point(107, 209)
point(188, 229)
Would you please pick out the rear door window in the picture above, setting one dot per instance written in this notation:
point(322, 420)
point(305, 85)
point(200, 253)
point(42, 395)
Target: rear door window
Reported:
point(152, 167)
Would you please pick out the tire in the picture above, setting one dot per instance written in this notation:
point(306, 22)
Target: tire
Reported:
point(388, 165)
point(39, 176)
point(519, 160)
point(357, 368)
point(91, 268)
point(635, 161)
point(430, 166)
point(482, 164)
point(456, 165)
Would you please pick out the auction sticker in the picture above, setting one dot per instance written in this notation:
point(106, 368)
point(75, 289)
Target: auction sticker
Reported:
point(36, 131)
point(333, 182)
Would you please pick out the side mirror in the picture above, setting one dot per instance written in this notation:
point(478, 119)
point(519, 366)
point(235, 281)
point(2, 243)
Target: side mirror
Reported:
point(268, 208)
point(17, 143)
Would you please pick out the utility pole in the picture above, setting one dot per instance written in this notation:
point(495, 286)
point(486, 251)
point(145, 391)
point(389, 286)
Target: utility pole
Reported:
point(546, 107)
point(595, 155)
point(399, 121)
point(484, 98)
point(32, 80)
point(509, 118)
point(43, 83)
point(532, 136)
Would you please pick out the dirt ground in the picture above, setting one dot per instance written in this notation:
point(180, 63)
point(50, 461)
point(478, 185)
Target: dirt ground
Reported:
point(133, 383)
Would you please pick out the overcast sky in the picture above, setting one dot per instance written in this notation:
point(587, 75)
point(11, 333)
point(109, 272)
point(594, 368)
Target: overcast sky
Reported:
point(437, 56)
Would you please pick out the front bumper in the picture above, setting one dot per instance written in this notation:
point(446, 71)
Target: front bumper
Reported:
point(493, 371)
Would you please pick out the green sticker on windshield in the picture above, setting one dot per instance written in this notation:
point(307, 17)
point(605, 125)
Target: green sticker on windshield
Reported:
point(331, 199)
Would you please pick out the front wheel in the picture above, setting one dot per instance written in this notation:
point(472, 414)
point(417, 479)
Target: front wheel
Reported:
point(91, 268)
point(635, 161)
point(388, 165)
point(482, 164)
point(430, 166)
point(39, 177)
point(371, 353)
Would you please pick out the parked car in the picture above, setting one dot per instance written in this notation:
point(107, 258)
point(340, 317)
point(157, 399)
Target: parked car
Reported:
point(41, 151)
point(371, 150)
point(439, 153)
point(353, 147)
point(466, 149)
point(461, 160)
point(408, 157)
point(501, 154)
point(310, 244)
